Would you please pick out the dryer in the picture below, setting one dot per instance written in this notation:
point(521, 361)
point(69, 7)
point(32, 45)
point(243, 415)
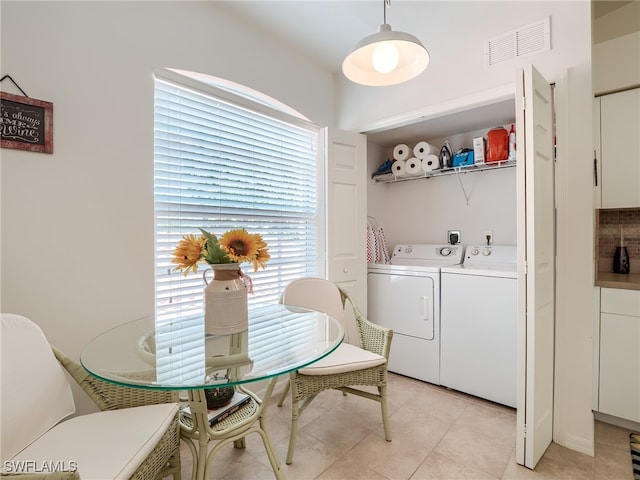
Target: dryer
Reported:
point(405, 296)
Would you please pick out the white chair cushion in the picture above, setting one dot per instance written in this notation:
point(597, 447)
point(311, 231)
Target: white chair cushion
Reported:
point(105, 445)
point(35, 391)
point(345, 358)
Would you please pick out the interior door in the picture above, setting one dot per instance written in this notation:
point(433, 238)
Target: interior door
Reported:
point(536, 265)
point(346, 212)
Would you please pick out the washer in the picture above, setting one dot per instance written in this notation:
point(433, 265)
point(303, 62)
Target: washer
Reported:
point(479, 324)
point(405, 296)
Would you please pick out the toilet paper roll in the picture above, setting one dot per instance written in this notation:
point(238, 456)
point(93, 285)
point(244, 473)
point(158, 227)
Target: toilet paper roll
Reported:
point(398, 168)
point(401, 152)
point(413, 166)
point(422, 149)
point(430, 163)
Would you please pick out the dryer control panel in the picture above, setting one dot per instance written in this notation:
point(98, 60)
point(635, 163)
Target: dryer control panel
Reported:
point(418, 253)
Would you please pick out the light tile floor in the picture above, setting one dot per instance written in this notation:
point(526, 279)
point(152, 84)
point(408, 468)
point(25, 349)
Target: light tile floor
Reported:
point(437, 434)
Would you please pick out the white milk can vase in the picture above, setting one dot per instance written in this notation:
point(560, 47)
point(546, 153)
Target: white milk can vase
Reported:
point(225, 300)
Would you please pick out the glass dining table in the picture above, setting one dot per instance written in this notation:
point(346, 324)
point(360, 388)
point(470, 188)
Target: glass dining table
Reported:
point(175, 353)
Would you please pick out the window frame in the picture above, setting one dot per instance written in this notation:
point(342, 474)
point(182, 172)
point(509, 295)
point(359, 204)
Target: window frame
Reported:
point(265, 106)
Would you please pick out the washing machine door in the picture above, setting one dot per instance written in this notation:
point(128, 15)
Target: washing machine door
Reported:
point(404, 303)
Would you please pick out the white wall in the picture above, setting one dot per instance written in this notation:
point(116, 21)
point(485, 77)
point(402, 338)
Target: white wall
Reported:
point(458, 70)
point(77, 226)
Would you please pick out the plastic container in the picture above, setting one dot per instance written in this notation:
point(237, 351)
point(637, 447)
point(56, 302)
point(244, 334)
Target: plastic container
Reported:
point(497, 145)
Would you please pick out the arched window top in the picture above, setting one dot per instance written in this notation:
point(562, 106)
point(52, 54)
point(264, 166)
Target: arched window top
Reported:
point(239, 91)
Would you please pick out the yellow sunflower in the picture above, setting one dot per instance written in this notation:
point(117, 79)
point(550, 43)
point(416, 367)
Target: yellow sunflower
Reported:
point(262, 256)
point(240, 245)
point(188, 253)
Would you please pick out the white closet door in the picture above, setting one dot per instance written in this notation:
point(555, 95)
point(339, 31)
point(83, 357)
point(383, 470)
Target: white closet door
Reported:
point(347, 212)
point(536, 266)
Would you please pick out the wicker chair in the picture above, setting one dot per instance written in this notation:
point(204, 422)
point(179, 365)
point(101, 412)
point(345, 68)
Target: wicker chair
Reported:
point(109, 396)
point(129, 439)
point(349, 365)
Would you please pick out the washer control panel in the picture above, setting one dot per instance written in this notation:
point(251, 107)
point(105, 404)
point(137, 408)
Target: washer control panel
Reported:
point(486, 254)
point(473, 251)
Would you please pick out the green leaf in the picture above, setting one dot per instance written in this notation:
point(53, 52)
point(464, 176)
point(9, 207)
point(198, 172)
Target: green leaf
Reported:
point(213, 252)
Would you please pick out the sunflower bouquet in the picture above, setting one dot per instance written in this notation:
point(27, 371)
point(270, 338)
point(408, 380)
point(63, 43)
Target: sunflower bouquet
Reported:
point(234, 246)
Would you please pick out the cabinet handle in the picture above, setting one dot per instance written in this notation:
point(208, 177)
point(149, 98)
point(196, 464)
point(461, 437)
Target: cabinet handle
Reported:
point(595, 168)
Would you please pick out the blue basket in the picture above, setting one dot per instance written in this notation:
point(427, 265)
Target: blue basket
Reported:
point(463, 159)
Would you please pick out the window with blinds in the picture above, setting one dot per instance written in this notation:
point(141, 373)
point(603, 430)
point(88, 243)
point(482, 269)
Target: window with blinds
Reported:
point(219, 165)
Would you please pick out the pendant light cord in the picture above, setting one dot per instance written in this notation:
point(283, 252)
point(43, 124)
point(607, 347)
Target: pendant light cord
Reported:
point(385, 5)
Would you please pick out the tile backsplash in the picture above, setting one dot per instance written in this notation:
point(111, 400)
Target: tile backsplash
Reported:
point(614, 222)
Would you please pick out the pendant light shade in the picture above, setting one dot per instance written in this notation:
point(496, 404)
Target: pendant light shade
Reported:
point(386, 58)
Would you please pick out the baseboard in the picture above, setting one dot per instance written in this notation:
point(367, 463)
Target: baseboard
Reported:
point(580, 444)
point(618, 422)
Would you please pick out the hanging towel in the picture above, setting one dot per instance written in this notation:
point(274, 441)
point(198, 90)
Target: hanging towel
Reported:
point(371, 242)
point(376, 244)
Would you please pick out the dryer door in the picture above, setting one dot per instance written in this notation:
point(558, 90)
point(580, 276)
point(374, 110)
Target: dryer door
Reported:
point(404, 303)
point(407, 304)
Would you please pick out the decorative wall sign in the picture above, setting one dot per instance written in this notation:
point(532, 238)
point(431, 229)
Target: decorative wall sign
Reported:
point(26, 123)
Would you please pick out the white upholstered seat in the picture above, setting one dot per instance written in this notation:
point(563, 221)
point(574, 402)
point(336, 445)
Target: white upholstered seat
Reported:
point(345, 358)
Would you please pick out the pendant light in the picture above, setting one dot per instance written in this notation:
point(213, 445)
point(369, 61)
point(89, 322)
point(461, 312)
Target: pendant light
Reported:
point(386, 57)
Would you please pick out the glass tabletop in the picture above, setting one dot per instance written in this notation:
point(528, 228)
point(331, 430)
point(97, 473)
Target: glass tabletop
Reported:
point(178, 354)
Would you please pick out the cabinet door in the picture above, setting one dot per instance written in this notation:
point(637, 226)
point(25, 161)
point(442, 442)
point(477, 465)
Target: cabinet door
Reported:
point(620, 366)
point(620, 301)
point(620, 146)
point(346, 212)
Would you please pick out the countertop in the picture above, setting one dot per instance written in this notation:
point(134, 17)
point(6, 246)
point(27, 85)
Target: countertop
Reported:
point(630, 281)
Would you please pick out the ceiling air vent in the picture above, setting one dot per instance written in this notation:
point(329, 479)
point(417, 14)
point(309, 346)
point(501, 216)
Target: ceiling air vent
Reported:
point(533, 38)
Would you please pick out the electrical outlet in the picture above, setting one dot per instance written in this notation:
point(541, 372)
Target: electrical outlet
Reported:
point(453, 236)
point(488, 237)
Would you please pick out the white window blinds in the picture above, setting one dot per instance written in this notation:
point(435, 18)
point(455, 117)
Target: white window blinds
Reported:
point(220, 166)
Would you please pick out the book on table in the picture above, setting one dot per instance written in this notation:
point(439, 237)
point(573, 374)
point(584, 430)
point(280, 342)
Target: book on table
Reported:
point(216, 415)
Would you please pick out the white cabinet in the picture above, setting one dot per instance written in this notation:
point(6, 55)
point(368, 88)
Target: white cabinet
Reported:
point(620, 149)
point(619, 382)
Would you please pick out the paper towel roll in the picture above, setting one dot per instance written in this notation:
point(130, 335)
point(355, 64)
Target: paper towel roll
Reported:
point(401, 152)
point(398, 168)
point(430, 163)
point(413, 166)
point(422, 149)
